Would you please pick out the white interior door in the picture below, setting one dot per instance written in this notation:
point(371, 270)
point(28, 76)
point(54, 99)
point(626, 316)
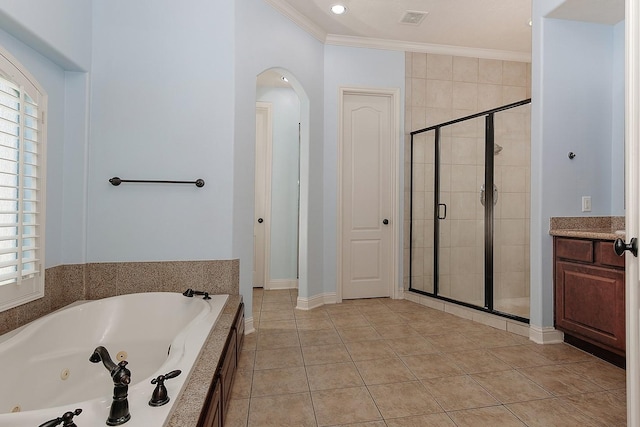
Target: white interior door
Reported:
point(632, 202)
point(262, 209)
point(367, 135)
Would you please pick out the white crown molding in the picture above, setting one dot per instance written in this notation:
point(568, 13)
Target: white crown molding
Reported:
point(373, 43)
point(299, 19)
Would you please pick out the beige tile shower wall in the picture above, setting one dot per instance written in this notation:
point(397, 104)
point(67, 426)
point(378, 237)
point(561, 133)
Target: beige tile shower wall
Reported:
point(439, 88)
point(68, 283)
point(512, 216)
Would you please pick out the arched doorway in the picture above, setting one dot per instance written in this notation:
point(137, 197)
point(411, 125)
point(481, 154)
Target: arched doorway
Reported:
point(280, 227)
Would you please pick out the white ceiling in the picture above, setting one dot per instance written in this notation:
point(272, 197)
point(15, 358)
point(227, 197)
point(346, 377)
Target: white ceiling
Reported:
point(483, 28)
point(494, 25)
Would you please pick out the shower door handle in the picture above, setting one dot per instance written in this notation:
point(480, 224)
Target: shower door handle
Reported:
point(444, 215)
point(483, 198)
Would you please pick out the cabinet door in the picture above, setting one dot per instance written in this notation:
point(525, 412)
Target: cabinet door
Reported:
point(239, 327)
point(228, 370)
point(590, 303)
point(212, 413)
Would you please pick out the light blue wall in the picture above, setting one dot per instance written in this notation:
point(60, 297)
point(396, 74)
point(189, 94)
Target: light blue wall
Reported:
point(59, 199)
point(266, 39)
point(161, 109)
point(74, 186)
point(167, 82)
point(58, 29)
point(576, 107)
point(617, 136)
point(284, 182)
point(353, 67)
point(578, 61)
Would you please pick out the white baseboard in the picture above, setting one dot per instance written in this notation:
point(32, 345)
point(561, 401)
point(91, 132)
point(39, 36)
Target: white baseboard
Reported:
point(545, 335)
point(316, 301)
point(282, 284)
point(399, 293)
point(248, 326)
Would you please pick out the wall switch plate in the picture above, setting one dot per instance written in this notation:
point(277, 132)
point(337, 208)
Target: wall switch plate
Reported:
point(586, 203)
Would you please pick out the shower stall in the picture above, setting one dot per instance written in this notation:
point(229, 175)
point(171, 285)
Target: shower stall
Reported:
point(470, 209)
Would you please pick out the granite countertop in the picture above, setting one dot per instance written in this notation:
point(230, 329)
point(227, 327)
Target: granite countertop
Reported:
point(595, 227)
point(191, 400)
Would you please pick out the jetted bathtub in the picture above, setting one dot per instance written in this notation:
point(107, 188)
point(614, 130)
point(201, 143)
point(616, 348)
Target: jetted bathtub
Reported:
point(47, 372)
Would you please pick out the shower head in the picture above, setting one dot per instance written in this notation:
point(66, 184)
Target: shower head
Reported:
point(496, 149)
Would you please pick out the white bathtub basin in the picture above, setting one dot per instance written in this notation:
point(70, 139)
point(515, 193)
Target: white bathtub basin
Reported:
point(46, 366)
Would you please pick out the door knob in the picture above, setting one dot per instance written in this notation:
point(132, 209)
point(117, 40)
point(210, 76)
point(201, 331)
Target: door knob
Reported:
point(260, 220)
point(385, 221)
point(620, 246)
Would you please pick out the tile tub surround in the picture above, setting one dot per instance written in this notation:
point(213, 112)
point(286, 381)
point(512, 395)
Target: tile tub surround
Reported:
point(587, 227)
point(66, 284)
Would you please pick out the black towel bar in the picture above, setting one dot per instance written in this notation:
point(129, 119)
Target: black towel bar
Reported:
point(115, 181)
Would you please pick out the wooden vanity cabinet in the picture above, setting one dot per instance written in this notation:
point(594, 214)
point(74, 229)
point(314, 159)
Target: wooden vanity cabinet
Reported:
point(219, 394)
point(211, 415)
point(589, 293)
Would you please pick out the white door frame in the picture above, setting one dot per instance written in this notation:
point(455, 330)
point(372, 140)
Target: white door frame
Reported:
point(266, 215)
point(632, 202)
point(396, 218)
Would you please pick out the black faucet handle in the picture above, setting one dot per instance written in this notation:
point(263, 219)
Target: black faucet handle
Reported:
point(160, 395)
point(190, 293)
point(66, 419)
point(171, 374)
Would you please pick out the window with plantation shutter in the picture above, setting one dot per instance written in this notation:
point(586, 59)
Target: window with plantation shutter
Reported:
point(21, 186)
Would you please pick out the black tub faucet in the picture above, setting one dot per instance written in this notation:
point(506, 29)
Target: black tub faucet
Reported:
point(121, 376)
point(190, 293)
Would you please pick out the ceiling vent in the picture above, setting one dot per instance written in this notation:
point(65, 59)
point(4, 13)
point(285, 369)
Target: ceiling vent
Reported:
point(413, 17)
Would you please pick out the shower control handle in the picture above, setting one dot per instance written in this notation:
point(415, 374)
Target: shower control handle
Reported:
point(483, 197)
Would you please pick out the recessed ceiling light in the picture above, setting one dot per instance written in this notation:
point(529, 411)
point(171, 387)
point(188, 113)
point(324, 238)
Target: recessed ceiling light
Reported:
point(338, 9)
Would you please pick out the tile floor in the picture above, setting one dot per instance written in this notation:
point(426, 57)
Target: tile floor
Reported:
point(382, 362)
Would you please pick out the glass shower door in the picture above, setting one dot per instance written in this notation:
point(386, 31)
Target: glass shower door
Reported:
point(460, 213)
point(469, 205)
point(422, 226)
point(512, 212)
